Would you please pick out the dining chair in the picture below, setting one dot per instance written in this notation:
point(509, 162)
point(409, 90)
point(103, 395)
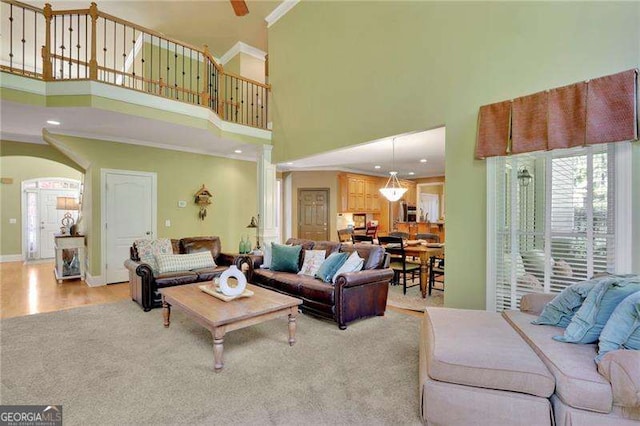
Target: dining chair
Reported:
point(344, 235)
point(430, 238)
point(358, 238)
point(372, 231)
point(436, 270)
point(399, 263)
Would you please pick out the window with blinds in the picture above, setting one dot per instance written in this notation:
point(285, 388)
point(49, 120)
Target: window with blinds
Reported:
point(554, 218)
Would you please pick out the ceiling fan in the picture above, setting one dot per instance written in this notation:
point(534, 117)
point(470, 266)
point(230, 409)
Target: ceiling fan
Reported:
point(239, 7)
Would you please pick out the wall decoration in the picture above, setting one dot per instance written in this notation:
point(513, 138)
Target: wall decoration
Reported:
point(203, 199)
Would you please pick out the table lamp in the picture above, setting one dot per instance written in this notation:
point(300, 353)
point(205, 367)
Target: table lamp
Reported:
point(69, 204)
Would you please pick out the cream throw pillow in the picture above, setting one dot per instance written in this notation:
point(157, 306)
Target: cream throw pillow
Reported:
point(312, 261)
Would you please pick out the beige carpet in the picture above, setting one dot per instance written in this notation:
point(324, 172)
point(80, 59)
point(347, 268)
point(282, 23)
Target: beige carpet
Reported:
point(115, 364)
point(413, 299)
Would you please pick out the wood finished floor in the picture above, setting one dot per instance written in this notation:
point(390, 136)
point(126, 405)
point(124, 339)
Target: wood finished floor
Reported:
point(27, 289)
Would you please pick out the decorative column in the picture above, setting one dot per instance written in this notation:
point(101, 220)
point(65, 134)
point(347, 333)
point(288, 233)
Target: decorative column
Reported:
point(267, 197)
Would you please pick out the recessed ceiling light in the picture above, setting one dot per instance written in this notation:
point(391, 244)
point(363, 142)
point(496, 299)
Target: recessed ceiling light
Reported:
point(53, 122)
point(376, 167)
point(424, 160)
point(411, 173)
point(290, 164)
point(238, 151)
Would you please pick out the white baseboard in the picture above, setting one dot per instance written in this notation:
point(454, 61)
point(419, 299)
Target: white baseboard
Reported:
point(11, 258)
point(94, 280)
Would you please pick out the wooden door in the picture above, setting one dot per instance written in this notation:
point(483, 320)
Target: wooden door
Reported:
point(313, 214)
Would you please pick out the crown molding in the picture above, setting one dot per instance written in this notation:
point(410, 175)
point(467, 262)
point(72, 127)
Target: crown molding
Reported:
point(241, 47)
point(280, 11)
point(22, 137)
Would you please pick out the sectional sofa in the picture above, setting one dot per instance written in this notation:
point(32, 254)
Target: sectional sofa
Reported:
point(480, 367)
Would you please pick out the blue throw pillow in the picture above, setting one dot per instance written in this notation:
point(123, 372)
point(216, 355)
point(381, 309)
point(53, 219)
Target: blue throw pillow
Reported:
point(561, 309)
point(588, 322)
point(285, 258)
point(330, 266)
point(622, 331)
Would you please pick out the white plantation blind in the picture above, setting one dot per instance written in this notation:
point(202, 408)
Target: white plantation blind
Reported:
point(558, 229)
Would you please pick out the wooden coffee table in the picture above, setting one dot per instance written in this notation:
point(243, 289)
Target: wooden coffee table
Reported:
point(219, 317)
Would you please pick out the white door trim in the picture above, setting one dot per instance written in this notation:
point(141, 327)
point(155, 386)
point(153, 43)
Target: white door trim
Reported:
point(103, 210)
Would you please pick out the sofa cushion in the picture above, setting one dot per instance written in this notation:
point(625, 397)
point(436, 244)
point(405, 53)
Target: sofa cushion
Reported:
point(498, 359)
point(284, 258)
point(148, 250)
point(184, 262)
point(563, 307)
point(176, 278)
point(314, 289)
point(330, 266)
point(588, 322)
point(200, 244)
point(622, 369)
point(328, 247)
point(286, 282)
point(578, 383)
point(208, 274)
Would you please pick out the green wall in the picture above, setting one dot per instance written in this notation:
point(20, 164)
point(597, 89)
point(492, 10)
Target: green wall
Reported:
point(180, 175)
point(344, 73)
point(21, 168)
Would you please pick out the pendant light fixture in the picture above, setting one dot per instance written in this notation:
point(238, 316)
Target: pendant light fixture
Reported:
point(393, 191)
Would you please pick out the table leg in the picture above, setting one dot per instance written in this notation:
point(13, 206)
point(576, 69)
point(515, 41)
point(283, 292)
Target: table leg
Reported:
point(218, 340)
point(424, 274)
point(166, 312)
point(292, 325)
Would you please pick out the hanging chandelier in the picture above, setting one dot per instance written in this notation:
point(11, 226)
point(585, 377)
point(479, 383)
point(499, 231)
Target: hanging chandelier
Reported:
point(393, 191)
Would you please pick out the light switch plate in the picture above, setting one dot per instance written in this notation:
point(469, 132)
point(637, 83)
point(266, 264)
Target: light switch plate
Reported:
point(13, 221)
point(167, 223)
point(182, 204)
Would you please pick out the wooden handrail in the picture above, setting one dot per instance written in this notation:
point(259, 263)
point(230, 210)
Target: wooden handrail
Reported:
point(239, 77)
point(148, 31)
point(23, 5)
point(70, 12)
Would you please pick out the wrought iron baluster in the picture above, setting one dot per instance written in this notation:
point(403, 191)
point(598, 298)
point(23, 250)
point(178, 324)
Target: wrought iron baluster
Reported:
point(133, 56)
point(24, 12)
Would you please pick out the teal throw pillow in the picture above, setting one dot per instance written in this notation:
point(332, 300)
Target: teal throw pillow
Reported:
point(588, 322)
point(622, 331)
point(330, 266)
point(285, 258)
point(561, 309)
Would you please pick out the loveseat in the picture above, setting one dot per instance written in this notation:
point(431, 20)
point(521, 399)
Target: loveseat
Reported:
point(480, 367)
point(354, 295)
point(144, 282)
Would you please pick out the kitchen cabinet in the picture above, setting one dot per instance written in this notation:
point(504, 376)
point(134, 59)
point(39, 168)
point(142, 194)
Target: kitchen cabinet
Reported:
point(410, 196)
point(358, 193)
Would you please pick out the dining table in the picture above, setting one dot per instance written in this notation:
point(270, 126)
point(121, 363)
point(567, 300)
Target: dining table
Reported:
point(424, 253)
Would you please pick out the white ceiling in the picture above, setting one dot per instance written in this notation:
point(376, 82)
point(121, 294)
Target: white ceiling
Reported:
point(409, 150)
point(25, 123)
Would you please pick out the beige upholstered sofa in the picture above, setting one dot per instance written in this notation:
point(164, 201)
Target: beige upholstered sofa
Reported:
point(480, 367)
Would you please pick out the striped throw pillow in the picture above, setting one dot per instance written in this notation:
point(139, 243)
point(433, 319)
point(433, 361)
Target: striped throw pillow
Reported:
point(184, 262)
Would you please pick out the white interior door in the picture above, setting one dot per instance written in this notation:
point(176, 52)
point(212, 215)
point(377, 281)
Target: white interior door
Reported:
point(130, 206)
point(51, 219)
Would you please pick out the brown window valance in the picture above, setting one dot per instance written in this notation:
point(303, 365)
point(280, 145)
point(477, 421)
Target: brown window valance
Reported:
point(601, 110)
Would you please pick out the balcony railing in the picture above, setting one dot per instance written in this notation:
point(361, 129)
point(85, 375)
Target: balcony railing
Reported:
point(87, 44)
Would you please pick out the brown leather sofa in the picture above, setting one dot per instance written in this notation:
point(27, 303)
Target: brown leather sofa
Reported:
point(144, 285)
point(355, 295)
